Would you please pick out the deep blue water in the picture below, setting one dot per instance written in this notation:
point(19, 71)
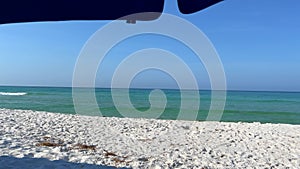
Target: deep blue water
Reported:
point(265, 107)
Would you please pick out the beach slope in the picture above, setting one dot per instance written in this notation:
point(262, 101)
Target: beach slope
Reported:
point(52, 140)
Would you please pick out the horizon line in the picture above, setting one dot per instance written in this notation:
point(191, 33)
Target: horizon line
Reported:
point(145, 88)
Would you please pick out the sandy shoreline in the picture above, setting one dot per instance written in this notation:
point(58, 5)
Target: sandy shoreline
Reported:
point(28, 139)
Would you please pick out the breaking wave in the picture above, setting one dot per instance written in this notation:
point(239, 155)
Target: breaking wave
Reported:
point(12, 94)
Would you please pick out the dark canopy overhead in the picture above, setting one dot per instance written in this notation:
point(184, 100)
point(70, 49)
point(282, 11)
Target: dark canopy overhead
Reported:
point(14, 11)
point(192, 6)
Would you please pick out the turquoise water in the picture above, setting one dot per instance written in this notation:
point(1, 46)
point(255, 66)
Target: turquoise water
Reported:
point(265, 107)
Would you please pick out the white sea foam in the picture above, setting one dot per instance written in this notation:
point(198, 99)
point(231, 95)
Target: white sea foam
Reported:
point(12, 94)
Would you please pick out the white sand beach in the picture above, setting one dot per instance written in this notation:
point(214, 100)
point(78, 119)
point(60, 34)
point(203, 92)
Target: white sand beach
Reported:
point(44, 140)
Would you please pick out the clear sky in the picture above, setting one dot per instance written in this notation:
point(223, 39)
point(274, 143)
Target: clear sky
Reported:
point(257, 41)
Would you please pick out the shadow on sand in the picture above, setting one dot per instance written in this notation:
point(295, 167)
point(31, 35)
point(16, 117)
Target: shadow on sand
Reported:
point(9, 162)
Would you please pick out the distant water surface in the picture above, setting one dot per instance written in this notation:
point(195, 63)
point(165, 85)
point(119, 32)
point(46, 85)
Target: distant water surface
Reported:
point(265, 107)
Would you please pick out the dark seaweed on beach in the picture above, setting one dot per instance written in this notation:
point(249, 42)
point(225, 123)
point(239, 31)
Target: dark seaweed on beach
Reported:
point(84, 147)
point(48, 144)
point(107, 153)
point(117, 160)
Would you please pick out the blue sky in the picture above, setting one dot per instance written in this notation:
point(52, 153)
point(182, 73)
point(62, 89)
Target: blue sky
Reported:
point(257, 41)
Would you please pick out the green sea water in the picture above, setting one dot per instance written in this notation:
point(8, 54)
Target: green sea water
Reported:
point(245, 106)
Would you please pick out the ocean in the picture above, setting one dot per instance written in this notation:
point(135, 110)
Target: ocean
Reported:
point(241, 106)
